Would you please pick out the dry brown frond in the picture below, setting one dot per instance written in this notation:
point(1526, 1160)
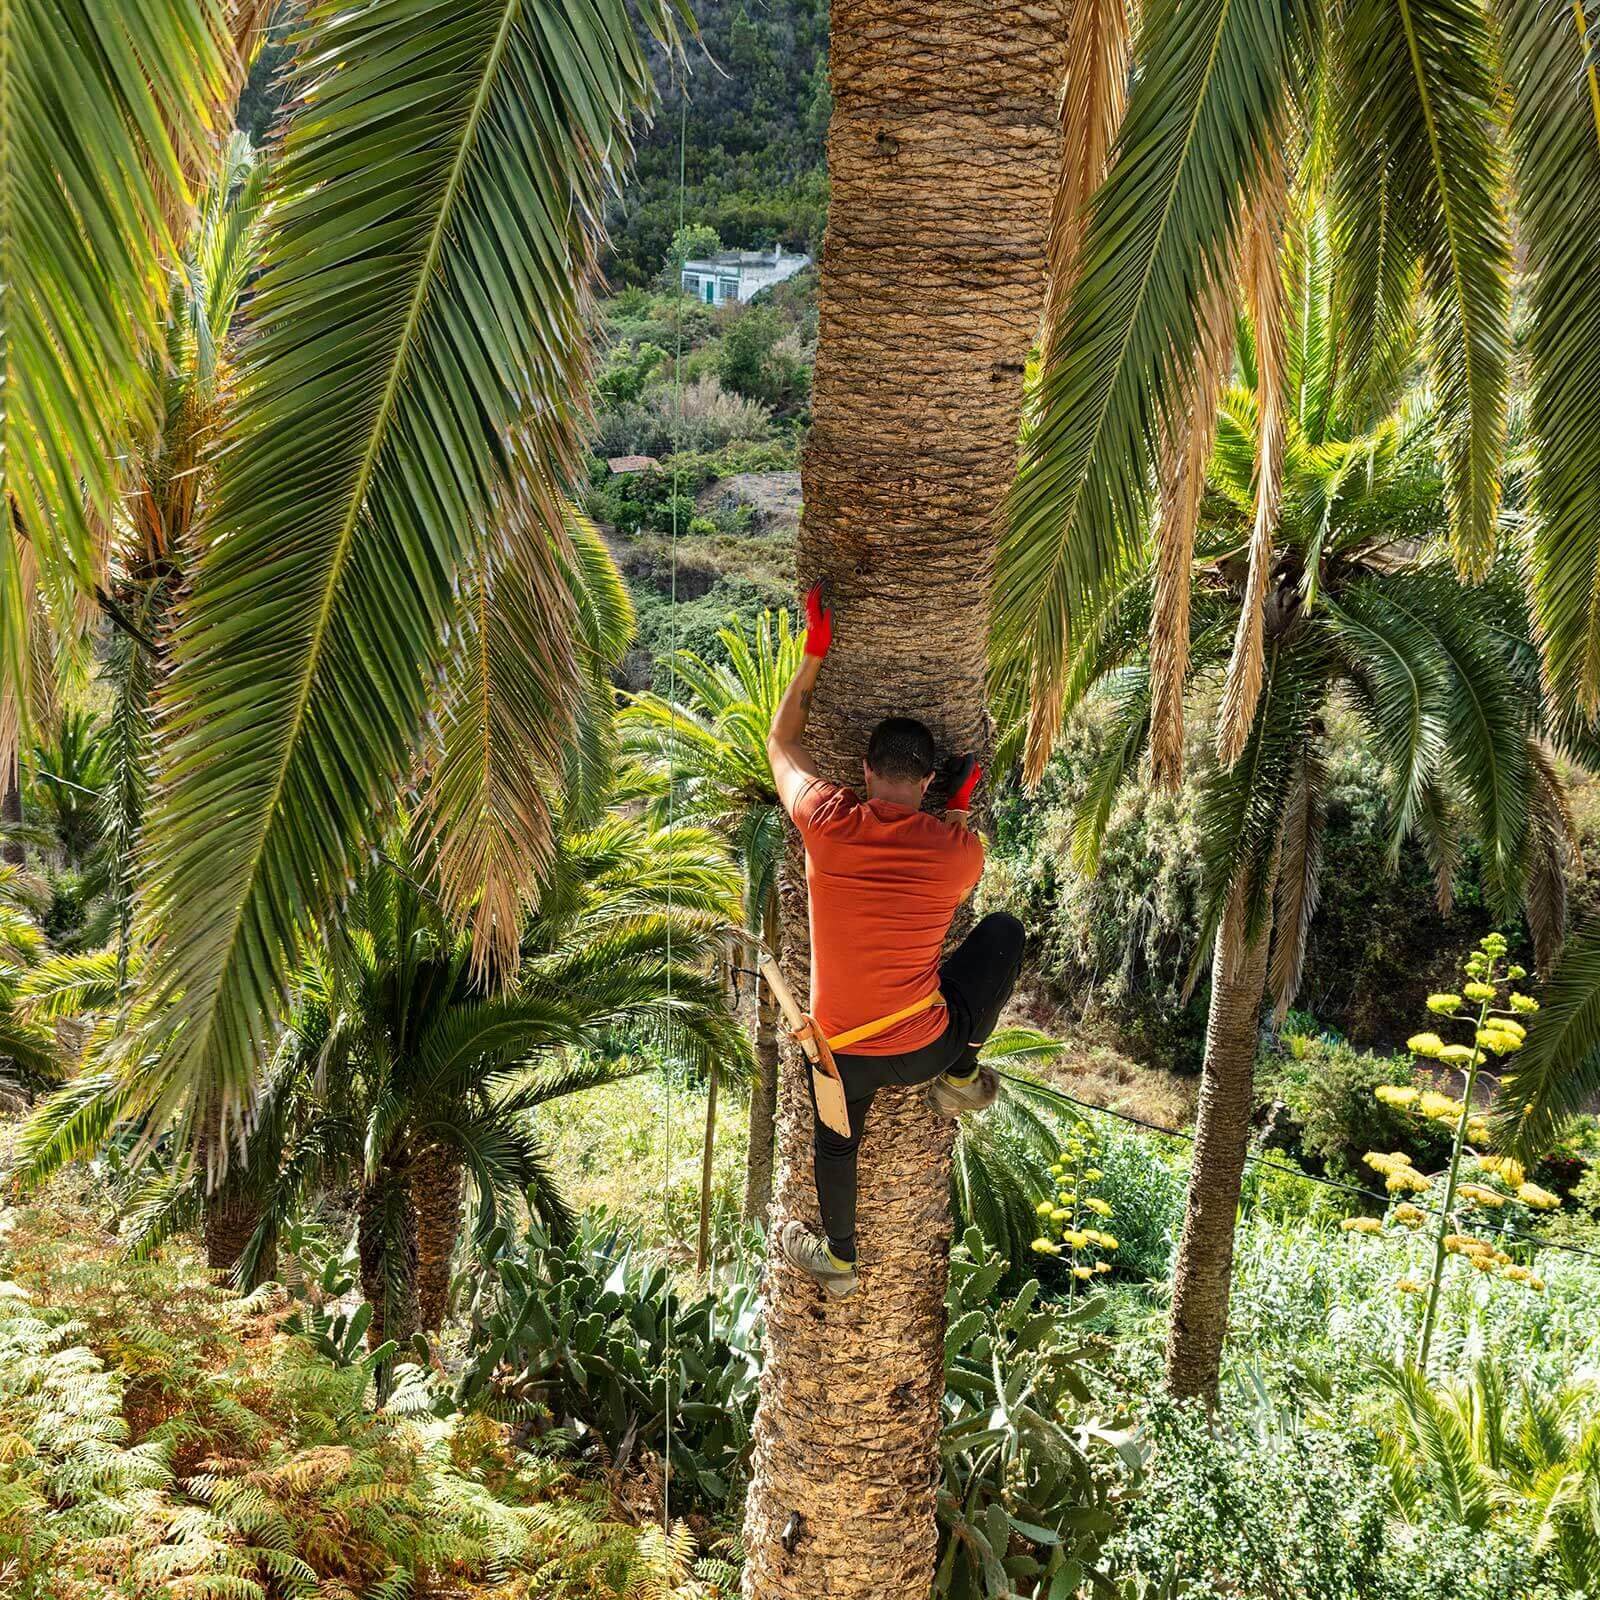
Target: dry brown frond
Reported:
point(1262, 274)
point(1295, 894)
point(1093, 99)
point(1185, 448)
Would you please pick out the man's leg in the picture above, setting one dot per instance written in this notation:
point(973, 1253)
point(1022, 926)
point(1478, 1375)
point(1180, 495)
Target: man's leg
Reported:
point(833, 1160)
point(979, 975)
point(977, 980)
point(831, 1258)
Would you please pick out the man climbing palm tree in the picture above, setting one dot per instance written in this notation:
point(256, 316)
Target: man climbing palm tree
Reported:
point(884, 882)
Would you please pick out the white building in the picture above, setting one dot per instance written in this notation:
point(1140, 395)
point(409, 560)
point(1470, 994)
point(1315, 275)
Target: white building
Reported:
point(739, 274)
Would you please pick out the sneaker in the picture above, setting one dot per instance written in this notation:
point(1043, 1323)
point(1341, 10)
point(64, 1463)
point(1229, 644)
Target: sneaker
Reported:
point(951, 1097)
point(803, 1249)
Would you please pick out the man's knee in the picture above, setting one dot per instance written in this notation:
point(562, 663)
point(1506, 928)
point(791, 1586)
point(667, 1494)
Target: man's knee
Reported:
point(1004, 935)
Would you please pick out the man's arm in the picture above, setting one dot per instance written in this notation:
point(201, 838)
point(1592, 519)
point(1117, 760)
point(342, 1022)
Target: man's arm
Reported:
point(968, 772)
point(792, 766)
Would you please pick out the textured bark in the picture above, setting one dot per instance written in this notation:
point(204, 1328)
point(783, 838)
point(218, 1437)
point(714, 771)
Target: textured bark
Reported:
point(436, 1199)
point(230, 1213)
point(1204, 1271)
point(764, 1090)
point(941, 156)
point(385, 1221)
point(11, 851)
point(231, 1216)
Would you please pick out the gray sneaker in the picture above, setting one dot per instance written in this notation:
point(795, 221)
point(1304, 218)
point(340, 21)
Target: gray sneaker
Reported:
point(803, 1249)
point(952, 1097)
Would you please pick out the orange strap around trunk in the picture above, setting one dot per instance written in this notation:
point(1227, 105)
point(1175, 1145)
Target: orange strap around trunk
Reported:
point(871, 1030)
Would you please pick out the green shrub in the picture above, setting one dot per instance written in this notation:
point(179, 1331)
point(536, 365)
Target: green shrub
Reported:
point(576, 1336)
point(1334, 1118)
point(1030, 1484)
point(1146, 1185)
point(1280, 1509)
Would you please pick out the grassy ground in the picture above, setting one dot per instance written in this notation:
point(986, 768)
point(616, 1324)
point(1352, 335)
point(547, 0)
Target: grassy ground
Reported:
point(634, 1150)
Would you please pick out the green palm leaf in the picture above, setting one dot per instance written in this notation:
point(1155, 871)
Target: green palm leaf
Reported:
point(1550, 62)
point(103, 106)
point(1420, 118)
point(435, 210)
point(1558, 1072)
point(1208, 105)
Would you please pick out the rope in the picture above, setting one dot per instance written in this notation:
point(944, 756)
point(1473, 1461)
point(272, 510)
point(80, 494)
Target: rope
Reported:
point(672, 788)
point(1052, 1093)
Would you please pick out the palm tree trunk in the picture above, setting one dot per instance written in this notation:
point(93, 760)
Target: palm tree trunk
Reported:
point(764, 1091)
point(1204, 1270)
point(941, 154)
point(11, 851)
point(436, 1199)
point(231, 1213)
point(702, 1252)
point(231, 1216)
point(386, 1245)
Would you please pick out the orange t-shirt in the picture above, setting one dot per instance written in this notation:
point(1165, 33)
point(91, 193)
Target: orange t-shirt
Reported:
point(884, 883)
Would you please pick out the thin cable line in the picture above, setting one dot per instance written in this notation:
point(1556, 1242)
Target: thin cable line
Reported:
point(672, 784)
point(1051, 1092)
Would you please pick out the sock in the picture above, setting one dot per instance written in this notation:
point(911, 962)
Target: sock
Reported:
point(964, 1072)
point(841, 1257)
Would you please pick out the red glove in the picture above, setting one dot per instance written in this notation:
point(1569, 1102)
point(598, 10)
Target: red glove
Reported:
point(819, 622)
point(968, 772)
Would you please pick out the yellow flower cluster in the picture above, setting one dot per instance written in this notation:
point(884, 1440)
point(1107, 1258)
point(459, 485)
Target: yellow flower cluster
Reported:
point(1479, 991)
point(1410, 1286)
point(1503, 1036)
point(1530, 1194)
point(1439, 1107)
point(1072, 1175)
point(1425, 1044)
point(1361, 1225)
point(1398, 1095)
point(1444, 1005)
point(1479, 1195)
point(1522, 1275)
point(1408, 1216)
point(1399, 1176)
point(1505, 1168)
point(1525, 1003)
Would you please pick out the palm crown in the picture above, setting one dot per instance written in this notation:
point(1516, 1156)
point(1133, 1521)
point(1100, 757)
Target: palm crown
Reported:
point(1443, 675)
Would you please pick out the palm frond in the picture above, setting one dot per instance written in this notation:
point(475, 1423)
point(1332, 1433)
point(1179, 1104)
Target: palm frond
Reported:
point(72, 1125)
point(1549, 55)
point(1296, 892)
point(1557, 1073)
point(436, 207)
point(506, 717)
point(1420, 97)
point(1099, 58)
point(1181, 464)
point(1401, 687)
point(1242, 806)
point(70, 985)
point(1262, 272)
point(105, 109)
point(1163, 226)
point(1552, 843)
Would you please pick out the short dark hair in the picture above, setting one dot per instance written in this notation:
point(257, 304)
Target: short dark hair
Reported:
point(901, 749)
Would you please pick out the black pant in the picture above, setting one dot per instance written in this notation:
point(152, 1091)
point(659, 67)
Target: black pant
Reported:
point(977, 979)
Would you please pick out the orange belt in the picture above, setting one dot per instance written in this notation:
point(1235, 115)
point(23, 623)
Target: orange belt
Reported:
point(871, 1030)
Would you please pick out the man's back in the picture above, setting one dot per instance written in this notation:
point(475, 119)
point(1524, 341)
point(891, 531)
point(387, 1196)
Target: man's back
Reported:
point(884, 882)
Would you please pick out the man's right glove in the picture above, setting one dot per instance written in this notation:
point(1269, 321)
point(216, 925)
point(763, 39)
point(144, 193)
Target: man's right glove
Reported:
point(819, 622)
point(968, 772)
